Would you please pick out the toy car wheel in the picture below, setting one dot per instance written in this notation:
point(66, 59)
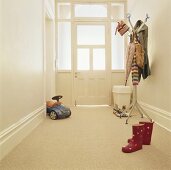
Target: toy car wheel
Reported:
point(53, 115)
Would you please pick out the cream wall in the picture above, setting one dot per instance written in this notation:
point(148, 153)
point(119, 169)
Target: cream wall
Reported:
point(23, 68)
point(49, 49)
point(22, 55)
point(0, 59)
point(156, 89)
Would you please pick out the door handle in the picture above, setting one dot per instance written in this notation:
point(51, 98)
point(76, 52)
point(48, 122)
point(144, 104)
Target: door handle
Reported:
point(75, 74)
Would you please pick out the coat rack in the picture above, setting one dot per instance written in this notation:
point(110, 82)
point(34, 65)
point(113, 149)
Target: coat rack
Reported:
point(135, 103)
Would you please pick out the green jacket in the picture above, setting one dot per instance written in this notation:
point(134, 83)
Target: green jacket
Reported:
point(143, 39)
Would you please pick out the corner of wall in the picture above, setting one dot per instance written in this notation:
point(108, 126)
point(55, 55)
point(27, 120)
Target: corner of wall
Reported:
point(50, 9)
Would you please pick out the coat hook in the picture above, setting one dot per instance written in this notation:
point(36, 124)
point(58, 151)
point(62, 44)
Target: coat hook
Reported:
point(129, 19)
point(147, 17)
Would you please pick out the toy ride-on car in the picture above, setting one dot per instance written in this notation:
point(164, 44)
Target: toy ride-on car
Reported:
point(56, 110)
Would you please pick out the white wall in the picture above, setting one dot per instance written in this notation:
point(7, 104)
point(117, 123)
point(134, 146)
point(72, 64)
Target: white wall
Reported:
point(0, 42)
point(22, 70)
point(0, 58)
point(22, 66)
point(22, 77)
point(155, 91)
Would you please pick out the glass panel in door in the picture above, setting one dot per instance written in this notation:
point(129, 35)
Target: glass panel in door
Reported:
point(83, 59)
point(99, 59)
point(90, 35)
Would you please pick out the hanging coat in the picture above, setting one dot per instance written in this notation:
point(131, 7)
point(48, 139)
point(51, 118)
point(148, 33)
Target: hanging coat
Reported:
point(129, 59)
point(143, 39)
point(139, 52)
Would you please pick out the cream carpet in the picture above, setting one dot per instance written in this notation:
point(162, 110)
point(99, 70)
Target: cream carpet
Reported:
point(91, 139)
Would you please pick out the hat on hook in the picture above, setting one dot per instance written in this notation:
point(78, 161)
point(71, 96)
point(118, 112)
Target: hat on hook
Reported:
point(122, 28)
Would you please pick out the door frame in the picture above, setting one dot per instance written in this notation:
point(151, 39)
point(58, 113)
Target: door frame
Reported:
point(48, 35)
point(107, 47)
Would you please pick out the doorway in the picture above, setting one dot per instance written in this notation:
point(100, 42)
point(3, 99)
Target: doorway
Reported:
point(91, 76)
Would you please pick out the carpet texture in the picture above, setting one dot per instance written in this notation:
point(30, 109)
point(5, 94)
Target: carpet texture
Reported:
point(91, 139)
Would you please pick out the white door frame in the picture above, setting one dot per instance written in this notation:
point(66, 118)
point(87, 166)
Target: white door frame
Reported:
point(74, 19)
point(48, 22)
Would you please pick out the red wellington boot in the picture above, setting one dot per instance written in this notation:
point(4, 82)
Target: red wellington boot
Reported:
point(136, 142)
point(148, 128)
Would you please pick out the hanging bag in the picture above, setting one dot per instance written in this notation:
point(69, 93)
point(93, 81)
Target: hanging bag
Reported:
point(122, 28)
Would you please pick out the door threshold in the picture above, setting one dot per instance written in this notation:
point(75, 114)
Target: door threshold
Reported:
point(105, 105)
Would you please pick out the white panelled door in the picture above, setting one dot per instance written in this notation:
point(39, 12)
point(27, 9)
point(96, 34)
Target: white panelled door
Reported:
point(91, 76)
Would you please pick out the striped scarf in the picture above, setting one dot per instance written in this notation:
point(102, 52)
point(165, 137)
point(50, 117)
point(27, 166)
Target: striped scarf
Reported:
point(134, 69)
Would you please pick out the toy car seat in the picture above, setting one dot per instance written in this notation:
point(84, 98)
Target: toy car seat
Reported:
point(58, 111)
point(57, 98)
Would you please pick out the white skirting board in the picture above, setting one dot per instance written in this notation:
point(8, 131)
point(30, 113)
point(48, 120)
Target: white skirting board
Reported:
point(159, 116)
point(14, 134)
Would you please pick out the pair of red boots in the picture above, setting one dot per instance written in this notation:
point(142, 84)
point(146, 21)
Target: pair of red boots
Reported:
point(142, 133)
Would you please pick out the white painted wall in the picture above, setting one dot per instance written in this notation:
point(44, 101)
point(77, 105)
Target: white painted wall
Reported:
point(50, 58)
point(22, 66)
point(0, 59)
point(154, 93)
point(156, 90)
